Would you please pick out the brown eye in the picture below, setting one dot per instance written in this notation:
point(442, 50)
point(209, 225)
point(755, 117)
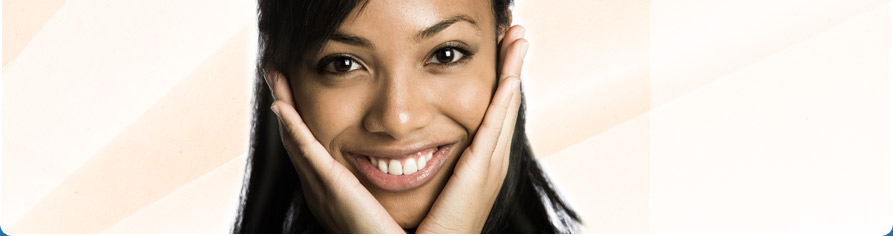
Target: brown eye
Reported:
point(342, 65)
point(446, 56)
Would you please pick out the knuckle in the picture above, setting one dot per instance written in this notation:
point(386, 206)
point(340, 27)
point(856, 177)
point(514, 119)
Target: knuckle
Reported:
point(495, 126)
point(509, 77)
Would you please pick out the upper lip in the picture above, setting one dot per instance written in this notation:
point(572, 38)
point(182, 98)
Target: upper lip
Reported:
point(394, 152)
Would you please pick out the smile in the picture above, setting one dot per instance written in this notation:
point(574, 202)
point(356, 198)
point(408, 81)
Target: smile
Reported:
point(403, 171)
point(405, 165)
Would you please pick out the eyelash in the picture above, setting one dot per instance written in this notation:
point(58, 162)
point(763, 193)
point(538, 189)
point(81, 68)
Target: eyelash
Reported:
point(321, 66)
point(328, 60)
point(466, 54)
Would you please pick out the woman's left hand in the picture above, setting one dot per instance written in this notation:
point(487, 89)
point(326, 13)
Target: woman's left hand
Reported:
point(465, 202)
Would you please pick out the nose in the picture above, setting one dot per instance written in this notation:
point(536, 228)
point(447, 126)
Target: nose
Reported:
point(400, 107)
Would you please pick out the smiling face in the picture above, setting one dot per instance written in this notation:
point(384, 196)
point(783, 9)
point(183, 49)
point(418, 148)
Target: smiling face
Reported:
point(397, 94)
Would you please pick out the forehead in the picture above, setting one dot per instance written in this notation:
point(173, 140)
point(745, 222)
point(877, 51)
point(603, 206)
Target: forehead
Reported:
point(402, 19)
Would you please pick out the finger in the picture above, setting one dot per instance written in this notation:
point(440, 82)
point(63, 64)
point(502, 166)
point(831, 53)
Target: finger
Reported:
point(309, 178)
point(512, 69)
point(486, 137)
point(514, 59)
point(509, 132)
point(278, 84)
point(296, 130)
point(304, 169)
point(503, 144)
point(514, 33)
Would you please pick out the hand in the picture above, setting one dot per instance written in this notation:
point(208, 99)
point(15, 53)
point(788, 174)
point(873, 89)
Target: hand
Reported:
point(334, 194)
point(468, 196)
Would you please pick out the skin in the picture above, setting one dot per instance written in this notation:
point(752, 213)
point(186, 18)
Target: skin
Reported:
point(399, 93)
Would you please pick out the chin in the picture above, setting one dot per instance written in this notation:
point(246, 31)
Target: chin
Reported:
point(410, 222)
point(409, 208)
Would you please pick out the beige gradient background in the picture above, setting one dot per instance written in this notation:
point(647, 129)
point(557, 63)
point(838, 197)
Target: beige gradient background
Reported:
point(682, 116)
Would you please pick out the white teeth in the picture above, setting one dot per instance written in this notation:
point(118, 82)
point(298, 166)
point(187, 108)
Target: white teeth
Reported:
point(383, 166)
point(409, 167)
point(422, 162)
point(395, 168)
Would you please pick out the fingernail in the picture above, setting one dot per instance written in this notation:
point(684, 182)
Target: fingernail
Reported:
point(524, 49)
point(521, 32)
point(275, 109)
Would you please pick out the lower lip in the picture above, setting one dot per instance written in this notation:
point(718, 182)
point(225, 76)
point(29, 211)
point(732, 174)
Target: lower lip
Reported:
point(401, 182)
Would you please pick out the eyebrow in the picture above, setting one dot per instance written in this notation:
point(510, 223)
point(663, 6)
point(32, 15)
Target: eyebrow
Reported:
point(422, 35)
point(440, 26)
point(351, 39)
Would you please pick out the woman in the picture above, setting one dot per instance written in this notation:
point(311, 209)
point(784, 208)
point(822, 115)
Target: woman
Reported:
point(392, 117)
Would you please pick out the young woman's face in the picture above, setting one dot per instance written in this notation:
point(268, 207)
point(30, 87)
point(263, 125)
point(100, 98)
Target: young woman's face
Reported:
point(399, 84)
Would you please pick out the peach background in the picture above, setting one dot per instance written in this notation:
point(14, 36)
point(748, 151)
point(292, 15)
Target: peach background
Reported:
point(651, 116)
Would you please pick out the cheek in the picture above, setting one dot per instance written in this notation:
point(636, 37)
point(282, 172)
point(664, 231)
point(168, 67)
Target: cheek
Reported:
point(327, 112)
point(468, 97)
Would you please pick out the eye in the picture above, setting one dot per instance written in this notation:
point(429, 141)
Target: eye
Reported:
point(340, 64)
point(447, 55)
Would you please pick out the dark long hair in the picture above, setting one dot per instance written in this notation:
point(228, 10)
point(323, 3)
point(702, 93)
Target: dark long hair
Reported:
point(272, 200)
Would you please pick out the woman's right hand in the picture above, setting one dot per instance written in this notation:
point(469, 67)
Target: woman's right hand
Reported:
point(334, 194)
